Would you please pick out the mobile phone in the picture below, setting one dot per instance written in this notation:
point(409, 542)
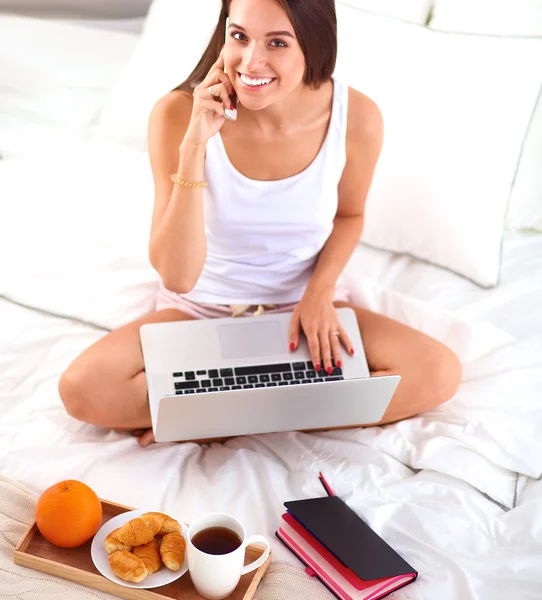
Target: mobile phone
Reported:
point(228, 112)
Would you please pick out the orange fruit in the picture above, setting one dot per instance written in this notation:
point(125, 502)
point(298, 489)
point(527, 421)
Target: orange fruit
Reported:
point(68, 514)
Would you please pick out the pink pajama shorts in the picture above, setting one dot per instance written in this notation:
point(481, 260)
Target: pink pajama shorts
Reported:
point(168, 299)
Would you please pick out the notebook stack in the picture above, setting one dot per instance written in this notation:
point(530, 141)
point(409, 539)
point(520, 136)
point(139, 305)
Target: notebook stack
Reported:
point(339, 548)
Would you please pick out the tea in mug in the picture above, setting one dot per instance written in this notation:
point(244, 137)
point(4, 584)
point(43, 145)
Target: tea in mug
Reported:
point(216, 540)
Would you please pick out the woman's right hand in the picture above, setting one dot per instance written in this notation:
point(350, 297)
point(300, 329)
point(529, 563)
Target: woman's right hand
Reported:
point(208, 110)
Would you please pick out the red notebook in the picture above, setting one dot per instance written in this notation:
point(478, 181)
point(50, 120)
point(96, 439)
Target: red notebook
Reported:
point(339, 548)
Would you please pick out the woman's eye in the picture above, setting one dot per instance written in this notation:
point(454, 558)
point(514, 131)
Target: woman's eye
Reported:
point(242, 37)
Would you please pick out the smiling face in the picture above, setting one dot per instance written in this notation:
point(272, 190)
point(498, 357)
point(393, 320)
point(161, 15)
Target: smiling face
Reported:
point(262, 55)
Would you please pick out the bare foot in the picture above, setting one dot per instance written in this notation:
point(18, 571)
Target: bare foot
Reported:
point(146, 438)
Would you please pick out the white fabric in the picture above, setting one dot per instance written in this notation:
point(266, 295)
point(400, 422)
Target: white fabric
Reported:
point(17, 511)
point(116, 15)
point(520, 287)
point(415, 11)
point(506, 18)
point(420, 483)
point(97, 202)
point(525, 209)
point(456, 110)
point(499, 17)
point(54, 79)
point(263, 237)
point(133, 25)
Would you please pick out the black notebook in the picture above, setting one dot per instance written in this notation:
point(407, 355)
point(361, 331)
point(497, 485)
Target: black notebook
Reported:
point(339, 548)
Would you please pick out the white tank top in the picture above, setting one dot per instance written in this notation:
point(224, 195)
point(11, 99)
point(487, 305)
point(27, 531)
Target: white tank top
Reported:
point(263, 237)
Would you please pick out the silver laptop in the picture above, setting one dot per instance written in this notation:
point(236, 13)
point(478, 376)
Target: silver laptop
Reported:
point(223, 377)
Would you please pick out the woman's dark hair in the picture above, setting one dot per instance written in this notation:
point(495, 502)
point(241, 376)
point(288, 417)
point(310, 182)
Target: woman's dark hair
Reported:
point(315, 26)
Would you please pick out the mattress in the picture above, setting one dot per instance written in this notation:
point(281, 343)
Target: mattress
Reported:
point(456, 490)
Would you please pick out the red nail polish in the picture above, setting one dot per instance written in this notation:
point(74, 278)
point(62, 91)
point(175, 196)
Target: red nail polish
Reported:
point(292, 346)
point(351, 350)
point(318, 367)
point(339, 364)
point(231, 106)
point(329, 370)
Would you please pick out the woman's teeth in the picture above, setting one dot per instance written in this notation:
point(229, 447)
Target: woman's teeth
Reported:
point(256, 82)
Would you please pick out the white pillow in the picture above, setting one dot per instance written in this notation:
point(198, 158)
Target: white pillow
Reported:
point(506, 18)
point(54, 80)
point(525, 208)
point(497, 17)
point(415, 11)
point(456, 110)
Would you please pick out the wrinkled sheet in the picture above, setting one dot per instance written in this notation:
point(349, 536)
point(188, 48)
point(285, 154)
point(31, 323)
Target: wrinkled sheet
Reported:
point(455, 490)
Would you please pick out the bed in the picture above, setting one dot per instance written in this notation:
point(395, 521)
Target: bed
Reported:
point(457, 490)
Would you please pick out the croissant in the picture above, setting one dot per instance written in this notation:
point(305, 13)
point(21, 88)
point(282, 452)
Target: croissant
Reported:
point(167, 523)
point(112, 544)
point(150, 555)
point(138, 531)
point(127, 566)
point(172, 550)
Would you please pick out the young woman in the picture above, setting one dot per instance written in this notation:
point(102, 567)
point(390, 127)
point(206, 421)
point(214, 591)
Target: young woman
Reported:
point(261, 213)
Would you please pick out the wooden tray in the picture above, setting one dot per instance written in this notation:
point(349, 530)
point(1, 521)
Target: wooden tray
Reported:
point(75, 564)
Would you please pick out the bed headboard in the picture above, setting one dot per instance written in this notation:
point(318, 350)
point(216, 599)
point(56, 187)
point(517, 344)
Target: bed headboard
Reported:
point(78, 9)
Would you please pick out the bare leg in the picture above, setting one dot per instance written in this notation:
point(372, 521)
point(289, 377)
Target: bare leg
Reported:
point(106, 384)
point(430, 371)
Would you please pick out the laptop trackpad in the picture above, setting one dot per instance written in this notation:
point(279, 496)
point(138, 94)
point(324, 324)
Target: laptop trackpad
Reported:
point(251, 339)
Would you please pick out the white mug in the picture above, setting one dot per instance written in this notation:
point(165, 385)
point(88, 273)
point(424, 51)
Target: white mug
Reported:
point(215, 576)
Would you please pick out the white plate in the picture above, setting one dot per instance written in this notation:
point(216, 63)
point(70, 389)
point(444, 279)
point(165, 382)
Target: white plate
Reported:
point(101, 558)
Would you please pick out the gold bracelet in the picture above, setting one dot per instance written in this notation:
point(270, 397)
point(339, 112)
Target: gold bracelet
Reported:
point(189, 184)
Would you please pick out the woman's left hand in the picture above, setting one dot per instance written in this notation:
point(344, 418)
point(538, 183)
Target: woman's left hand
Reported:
point(317, 317)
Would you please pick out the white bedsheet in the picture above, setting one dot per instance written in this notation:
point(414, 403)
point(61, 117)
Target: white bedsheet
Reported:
point(454, 490)
point(514, 305)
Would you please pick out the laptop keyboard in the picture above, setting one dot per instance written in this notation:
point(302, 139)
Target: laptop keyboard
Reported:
point(253, 376)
